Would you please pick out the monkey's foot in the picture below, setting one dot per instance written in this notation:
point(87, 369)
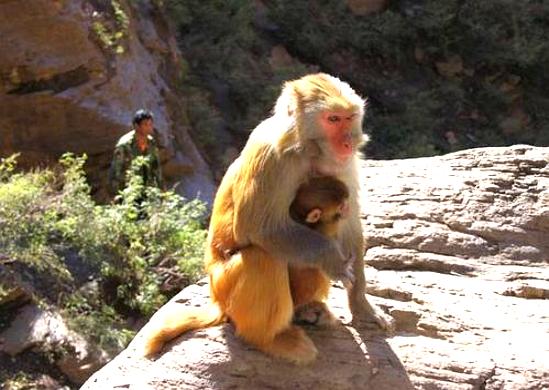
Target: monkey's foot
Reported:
point(315, 313)
point(293, 345)
point(372, 317)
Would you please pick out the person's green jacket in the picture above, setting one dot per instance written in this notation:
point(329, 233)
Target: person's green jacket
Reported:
point(125, 151)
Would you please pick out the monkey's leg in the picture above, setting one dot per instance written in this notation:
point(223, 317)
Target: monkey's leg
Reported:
point(315, 313)
point(363, 312)
point(308, 284)
point(310, 288)
point(352, 241)
point(261, 308)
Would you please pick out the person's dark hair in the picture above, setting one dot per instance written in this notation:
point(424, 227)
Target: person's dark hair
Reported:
point(141, 115)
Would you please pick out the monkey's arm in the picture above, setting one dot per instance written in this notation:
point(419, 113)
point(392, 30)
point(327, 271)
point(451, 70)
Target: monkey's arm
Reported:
point(262, 193)
point(302, 246)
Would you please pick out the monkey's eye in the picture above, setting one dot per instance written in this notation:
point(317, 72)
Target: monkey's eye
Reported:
point(333, 118)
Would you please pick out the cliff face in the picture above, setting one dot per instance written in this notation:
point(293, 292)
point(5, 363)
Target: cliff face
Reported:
point(457, 257)
point(72, 73)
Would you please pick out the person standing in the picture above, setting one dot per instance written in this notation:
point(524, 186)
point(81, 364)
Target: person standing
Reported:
point(137, 142)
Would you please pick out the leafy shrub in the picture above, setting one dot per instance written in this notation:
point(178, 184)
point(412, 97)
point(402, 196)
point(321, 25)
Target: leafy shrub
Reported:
point(20, 381)
point(474, 69)
point(26, 221)
point(392, 57)
point(229, 84)
point(47, 218)
point(111, 27)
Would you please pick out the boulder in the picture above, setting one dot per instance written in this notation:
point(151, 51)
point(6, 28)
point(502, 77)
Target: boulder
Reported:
point(457, 255)
point(44, 329)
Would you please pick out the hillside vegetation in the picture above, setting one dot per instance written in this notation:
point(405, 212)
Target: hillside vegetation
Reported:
point(105, 268)
point(440, 75)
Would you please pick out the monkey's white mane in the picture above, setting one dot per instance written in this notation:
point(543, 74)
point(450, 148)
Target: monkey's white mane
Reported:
point(283, 103)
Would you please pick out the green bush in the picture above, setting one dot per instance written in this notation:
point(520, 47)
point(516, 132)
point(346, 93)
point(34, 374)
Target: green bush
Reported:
point(392, 57)
point(46, 215)
point(229, 84)
point(26, 221)
point(440, 75)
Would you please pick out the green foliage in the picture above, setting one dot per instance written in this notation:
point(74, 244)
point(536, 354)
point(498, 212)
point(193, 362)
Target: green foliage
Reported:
point(45, 215)
point(7, 166)
point(397, 58)
point(217, 36)
point(507, 32)
point(472, 69)
point(111, 33)
point(122, 20)
point(20, 381)
point(204, 117)
point(26, 220)
point(228, 81)
point(90, 316)
point(4, 291)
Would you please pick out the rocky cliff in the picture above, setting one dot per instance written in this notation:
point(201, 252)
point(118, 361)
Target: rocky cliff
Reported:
point(73, 72)
point(457, 255)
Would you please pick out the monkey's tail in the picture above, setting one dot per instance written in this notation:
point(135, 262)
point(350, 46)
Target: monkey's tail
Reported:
point(177, 320)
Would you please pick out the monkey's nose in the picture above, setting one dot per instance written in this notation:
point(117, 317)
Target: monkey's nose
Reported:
point(347, 141)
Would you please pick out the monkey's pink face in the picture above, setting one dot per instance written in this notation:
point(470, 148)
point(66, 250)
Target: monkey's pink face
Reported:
point(338, 126)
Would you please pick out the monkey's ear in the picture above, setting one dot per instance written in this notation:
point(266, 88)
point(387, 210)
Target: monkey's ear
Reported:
point(344, 209)
point(313, 216)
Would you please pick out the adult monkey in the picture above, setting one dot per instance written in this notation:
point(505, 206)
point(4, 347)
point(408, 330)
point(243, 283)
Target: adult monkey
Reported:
point(315, 130)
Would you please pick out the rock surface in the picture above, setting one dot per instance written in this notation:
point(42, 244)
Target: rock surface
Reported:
point(72, 73)
point(34, 327)
point(457, 254)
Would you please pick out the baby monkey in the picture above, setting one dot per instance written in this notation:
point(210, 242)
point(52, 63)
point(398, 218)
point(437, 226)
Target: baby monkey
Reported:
point(320, 203)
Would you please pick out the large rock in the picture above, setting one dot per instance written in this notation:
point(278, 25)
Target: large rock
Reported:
point(458, 250)
point(45, 330)
point(72, 73)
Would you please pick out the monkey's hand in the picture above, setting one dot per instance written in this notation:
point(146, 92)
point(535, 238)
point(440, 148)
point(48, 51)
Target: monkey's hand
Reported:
point(348, 278)
point(341, 267)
